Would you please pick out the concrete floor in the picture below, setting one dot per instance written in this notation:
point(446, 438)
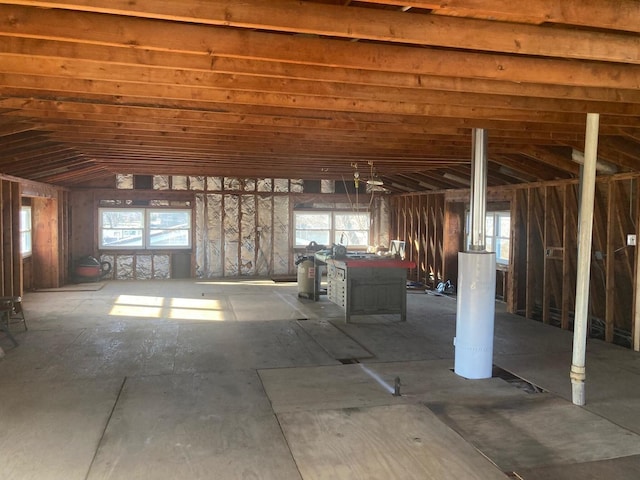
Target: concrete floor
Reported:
point(242, 380)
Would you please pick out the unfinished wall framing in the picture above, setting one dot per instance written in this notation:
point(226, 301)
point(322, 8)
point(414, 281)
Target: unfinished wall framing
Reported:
point(50, 226)
point(540, 280)
point(418, 220)
point(549, 218)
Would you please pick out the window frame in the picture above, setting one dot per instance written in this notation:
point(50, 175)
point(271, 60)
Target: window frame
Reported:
point(333, 232)
point(145, 227)
point(26, 253)
point(492, 241)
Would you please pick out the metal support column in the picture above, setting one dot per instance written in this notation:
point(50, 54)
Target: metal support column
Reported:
point(475, 316)
point(478, 206)
point(585, 233)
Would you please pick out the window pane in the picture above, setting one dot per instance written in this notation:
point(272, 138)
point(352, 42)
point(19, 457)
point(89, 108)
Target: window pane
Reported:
point(489, 225)
point(169, 228)
point(305, 237)
point(502, 255)
point(352, 221)
point(121, 238)
point(352, 238)
point(25, 243)
point(25, 219)
point(489, 242)
point(169, 219)
point(25, 231)
point(312, 227)
point(352, 229)
point(131, 219)
point(169, 238)
point(505, 226)
point(313, 221)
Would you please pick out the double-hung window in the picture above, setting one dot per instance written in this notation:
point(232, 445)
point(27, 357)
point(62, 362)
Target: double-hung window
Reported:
point(326, 227)
point(498, 235)
point(144, 228)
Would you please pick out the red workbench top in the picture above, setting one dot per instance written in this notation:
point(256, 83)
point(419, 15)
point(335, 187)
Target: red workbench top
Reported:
point(374, 263)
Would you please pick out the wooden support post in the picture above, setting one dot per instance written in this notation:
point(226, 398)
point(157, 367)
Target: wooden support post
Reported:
point(529, 296)
point(16, 260)
point(566, 266)
point(546, 284)
point(7, 239)
point(610, 262)
point(511, 287)
point(636, 295)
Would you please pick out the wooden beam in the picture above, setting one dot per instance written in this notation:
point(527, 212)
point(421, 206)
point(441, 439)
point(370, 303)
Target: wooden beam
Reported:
point(159, 79)
point(206, 98)
point(183, 115)
point(553, 159)
point(374, 24)
point(96, 57)
point(215, 42)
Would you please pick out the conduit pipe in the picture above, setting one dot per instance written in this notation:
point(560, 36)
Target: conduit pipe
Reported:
point(478, 205)
point(585, 232)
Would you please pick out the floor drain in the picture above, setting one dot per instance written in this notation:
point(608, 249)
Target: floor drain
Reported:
point(516, 381)
point(348, 361)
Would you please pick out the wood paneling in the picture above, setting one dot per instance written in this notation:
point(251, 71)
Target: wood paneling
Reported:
point(46, 253)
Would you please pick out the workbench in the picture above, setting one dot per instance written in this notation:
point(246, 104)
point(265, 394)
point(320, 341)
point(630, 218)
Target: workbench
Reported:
point(368, 285)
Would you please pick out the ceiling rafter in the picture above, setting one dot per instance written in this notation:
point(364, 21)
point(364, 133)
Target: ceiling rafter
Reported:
point(89, 88)
point(361, 23)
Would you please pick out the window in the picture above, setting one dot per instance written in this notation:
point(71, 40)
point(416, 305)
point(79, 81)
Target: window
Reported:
point(498, 235)
point(324, 228)
point(25, 231)
point(144, 228)
point(313, 227)
point(351, 229)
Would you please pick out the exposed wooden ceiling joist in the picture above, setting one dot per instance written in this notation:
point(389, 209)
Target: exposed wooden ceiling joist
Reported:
point(180, 87)
point(366, 24)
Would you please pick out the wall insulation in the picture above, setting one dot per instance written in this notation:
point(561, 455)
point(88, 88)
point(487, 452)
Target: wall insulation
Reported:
point(264, 238)
point(231, 235)
point(281, 246)
point(213, 239)
point(241, 226)
point(247, 234)
point(200, 234)
point(144, 268)
point(138, 266)
point(241, 235)
point(196, 183)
